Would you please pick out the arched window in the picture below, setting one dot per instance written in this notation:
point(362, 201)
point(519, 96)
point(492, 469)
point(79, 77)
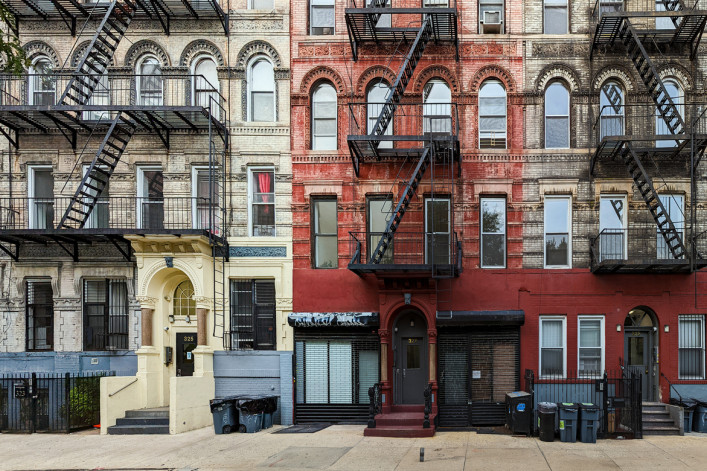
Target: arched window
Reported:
point(557, 116)
point(437, 108)
point(675, 92)
point(183, 301)
point(149, 82)
point(492, 115)
point(42, 84)
point(324, 117)
point(376, 96)
point(611, 110)
point(261, 90)
point(206, 84)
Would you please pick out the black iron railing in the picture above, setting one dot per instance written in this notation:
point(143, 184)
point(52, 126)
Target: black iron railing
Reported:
point(428, 406)
point(116, 212)
point(407, 248)
point(411, 121)
point(422, 4)
point(617, 7)
point(375, 403)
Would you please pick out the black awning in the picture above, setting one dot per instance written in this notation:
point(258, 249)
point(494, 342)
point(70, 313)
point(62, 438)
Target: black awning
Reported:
point(333, 319)
point(461, 318)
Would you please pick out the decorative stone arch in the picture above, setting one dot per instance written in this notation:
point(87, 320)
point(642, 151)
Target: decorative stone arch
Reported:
point(492, 71)
point(372, 73)
point(197, 48)
point(555, 72)
point(40, 48)
point(677, 72)
point(157, 269)
point(255, 48)
point(615, 72)
point(246, 55)
point(143, 47)
point(79, 51)
point(436, 71)
point(322, 73)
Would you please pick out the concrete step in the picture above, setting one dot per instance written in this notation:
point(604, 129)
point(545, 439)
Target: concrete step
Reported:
point(408, 408)
point(402, 419)
point(396, 431)
point(143, 421)
point(160, 412)
point(138, 430)
point(660, 430)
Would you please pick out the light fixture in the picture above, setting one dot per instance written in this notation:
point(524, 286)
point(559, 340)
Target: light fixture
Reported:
point(171, 318)
point(166, 328)
point(618, 327)
point(188, 319)
point(412, 323)
point(666, 328)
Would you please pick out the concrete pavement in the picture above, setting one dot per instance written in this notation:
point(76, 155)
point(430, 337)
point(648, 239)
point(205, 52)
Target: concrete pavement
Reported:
point(343, 447)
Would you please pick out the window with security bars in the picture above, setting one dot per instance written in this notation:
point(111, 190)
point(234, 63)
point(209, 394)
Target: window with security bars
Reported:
point(105, 314)
point(40, 315)
point(691, 347)
point(252, 315)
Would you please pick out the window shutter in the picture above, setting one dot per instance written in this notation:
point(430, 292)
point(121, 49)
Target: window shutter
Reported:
point(265, 315)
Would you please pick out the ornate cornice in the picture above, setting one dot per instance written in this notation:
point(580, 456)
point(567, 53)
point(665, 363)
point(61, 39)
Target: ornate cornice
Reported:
point(557, 71)
point(492, 71)
point(200, 46)
point(37, 48)
point(375, 72)
point(319, 73)
point(436, 71)
point(255, 48)
point(143, 47)
point(614, 71)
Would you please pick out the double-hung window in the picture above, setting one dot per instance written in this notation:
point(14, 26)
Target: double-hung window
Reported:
point(553, 346)
point(558, 240)
point(324, 128)
point(555, 17)
point(437, 231)
point(261, 91)
point(491, 16)
point(260, 4)
point(590, 354)
point(613, 240)
point(492, 115)
point(325, 233)
point(691, 347)
point(493, 232)
point(105, 315)
point(40, 315)
point(150, 191)
point(41, 197)
point(380, 211)
point(673, 205)
point(253, 314)
point(321, 17)
point(557, 117)
point(100, 215)
point(261, 198)
point(205, 199)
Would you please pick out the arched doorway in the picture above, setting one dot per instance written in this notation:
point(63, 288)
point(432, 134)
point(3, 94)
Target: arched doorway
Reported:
point(410, 358)
point(641, 348)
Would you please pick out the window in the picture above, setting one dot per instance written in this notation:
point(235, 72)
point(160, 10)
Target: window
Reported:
point(611, 104)
point(437, 230)
point(491, 16)
point(261, 4)
point(558, 241)
point(99, 97)
point(261, 91)
point(384, 21)
point(100, 215)
point(205, 199)
point(590, 342)
point(493, 232)
point(41, 197)
point(380, 210)
point(553, 361)
point(324, 118)
point(149, 82)
point(437, 110)
point(675, 93)
point(492, 115)
point(321, 17)
point(557, 117)
point(261, 198)
point(613, 239)
point(42, 82)
point(665, 22)
point(555, 20)
point(40, 315)
point(326, 254)
point(691, 347)
point(105, 315)
point(206, 86)
point(377, 95)
point(183, 303)
point(673, 205)
point(253, 315)
point(150, 201)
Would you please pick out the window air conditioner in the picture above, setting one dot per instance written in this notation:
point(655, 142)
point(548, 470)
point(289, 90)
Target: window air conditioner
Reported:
point(491, 23)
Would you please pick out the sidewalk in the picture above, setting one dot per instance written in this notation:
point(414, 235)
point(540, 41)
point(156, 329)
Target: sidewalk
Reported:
point(343, 447)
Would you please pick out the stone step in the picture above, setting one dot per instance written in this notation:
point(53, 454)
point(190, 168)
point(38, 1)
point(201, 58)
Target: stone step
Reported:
point(138, 430)
point(660, 430)
point(402, 419)
point(160, 412)
point(408, 408)
point(143, 421)
point(396, 431)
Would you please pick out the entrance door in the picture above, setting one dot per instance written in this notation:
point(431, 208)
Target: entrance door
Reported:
point(186, 343)
point(410, 359)
point(637, 346)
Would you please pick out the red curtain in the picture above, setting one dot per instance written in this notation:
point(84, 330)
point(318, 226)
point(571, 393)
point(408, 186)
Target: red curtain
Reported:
point(264, 187)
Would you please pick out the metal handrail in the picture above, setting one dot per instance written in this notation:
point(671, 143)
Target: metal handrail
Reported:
point(428, 406)
point(124, 387)
point(375, 403)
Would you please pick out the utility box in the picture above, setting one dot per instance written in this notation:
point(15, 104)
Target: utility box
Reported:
point(519, 412)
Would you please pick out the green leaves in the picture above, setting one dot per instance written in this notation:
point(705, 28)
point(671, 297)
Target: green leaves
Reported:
point(12, 56)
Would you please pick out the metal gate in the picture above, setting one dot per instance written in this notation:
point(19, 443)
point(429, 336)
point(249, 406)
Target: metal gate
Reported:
point(35, 402)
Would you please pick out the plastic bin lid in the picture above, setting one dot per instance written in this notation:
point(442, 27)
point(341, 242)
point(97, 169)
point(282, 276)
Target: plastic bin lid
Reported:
point(518, 394)
point(547, 406)
point(588, 405)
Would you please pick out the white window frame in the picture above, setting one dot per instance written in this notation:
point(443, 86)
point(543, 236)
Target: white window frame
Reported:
point(251, 171)
point(321, 4)
point(251, 7)
point(31, 194)
point(501, 4)
point(701, 319)
point(622, 105)
point(488, 82)
point(313, 117)
point(428, 232)
point(195, 91)
point(249, 84)
point(624, 223)
point(548, 115)
point(557, 6)
point(554, 318)
point(602, 344)
point(373, 110)
point(35, 81)
point(505, 230)
point(568, 199)
point(667, 200)
point(91, 222)
point(195, 170)
point(141, 169)
point(317, 235)
point(139, 79)
point(678, 101)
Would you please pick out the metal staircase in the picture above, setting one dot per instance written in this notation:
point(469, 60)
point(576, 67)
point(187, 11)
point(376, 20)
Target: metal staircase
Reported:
point(99, 53)
point(96, 178)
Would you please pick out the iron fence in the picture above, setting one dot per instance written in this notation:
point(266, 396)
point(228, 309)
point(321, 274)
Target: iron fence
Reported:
point(36, 402)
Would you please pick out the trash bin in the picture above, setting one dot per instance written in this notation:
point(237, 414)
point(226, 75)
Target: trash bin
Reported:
point(269, 411)
point(699, 419)
point(519, 412)
point(250, 413)
point(589, 422)
point(223, 411)
point(546, 420)
point(687, 416)
point(568, 413)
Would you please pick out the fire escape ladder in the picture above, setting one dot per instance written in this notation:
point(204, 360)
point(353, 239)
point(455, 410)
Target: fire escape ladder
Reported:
point(645, 187)
point(99, 53)
point(401, 81)
point(667, 109)
point(408, 193)
point(96, 178)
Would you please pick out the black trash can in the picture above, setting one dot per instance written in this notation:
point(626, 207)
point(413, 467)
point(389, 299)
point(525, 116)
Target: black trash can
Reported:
point(569, 413)
point(546, 420)
point(269, 411)
point(699, 418)
point(589, 422)
point(250, 413)
point(519, 412)
point(224, 414)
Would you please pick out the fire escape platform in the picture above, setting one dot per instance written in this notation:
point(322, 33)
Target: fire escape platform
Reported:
point(690, 30)
point(647, 265)
point(609, 147)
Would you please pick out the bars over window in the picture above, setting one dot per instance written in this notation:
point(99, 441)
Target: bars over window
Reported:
point(691, 347)
point(40, 315)
point(253, 314)
point(105, 314)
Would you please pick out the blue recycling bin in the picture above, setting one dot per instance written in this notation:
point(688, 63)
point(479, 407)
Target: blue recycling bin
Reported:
point(568, 413)
point(589, 422)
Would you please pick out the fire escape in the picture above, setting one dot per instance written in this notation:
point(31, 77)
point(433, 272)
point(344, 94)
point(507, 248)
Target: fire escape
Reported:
point(92, 101)
point(664, 133)
point(420, 138)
